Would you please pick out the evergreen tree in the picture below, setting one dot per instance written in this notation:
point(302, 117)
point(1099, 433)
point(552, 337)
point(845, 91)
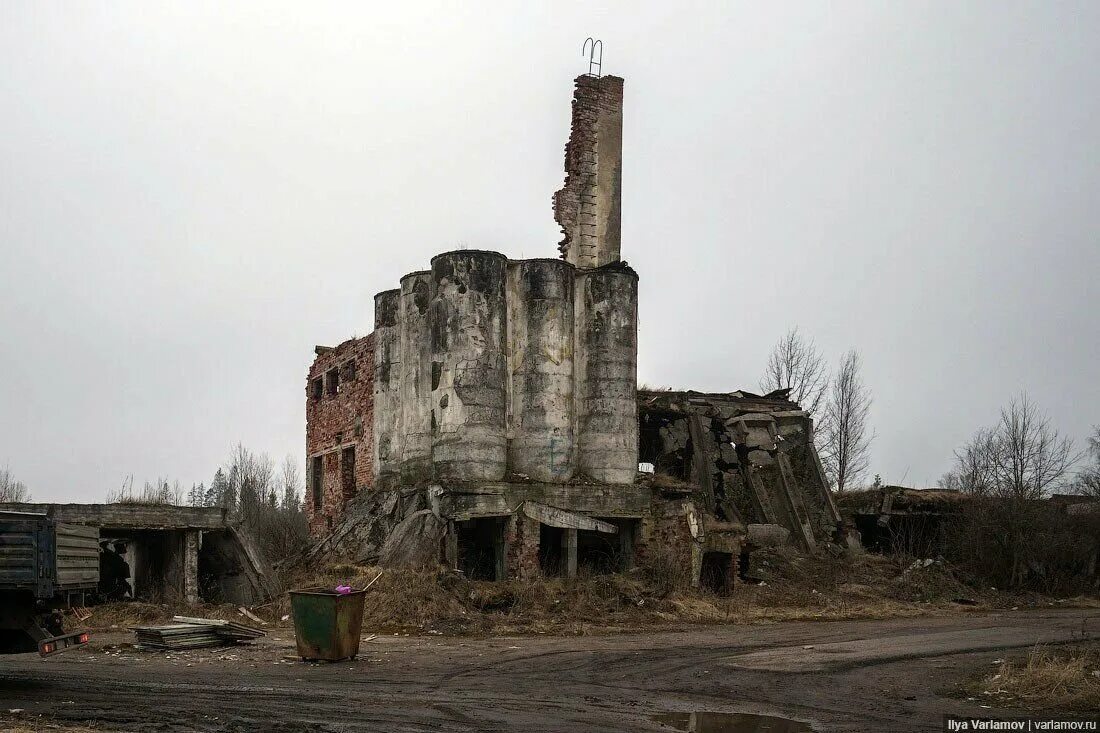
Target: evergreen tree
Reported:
point(219, 488)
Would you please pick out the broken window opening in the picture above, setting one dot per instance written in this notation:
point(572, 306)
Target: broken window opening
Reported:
point(316, 478)
point(318, 386)
point(349, 371)
point(663, 442)
point(481, 548)
point(715, 574)
point(333, 378)
point(347, 472)
point(358, 426)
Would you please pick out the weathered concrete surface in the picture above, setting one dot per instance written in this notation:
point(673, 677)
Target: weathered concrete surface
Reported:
point(128, 516)
point(368, 521)
point(416, 378)
point(498, 499)
point(414, 542)
point(604, 684)
point(607, 374)
point(752, 455)
point(540, 360)
point(387, 389)
point(468, 316)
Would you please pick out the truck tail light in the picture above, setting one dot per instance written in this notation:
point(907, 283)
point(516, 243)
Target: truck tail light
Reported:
point(82, 639)
point(47, 648)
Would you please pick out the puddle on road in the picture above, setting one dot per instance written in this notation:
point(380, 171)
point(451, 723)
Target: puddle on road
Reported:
point(731, 723)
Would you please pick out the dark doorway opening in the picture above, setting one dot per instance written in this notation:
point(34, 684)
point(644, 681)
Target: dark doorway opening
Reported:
point(551, 559)
point(347, 472)
point(715, 574)
point(481, 548)
point(597, 553)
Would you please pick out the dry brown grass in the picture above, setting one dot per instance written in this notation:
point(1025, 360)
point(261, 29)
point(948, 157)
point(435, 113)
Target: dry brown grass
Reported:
point(1066, 678)
point(794, 587)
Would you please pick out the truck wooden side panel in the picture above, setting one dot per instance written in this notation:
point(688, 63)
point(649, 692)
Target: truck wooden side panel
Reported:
point(77, 557)
point(46, 557)
point(19, 552)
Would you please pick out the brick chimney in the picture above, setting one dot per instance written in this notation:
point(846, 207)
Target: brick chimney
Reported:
point(588, 207)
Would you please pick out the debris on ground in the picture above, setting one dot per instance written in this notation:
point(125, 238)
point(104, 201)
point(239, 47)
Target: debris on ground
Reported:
point(194, 633)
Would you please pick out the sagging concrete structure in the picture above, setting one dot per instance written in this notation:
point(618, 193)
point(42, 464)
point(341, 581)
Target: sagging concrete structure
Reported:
point(173, 552)
point(506, 415)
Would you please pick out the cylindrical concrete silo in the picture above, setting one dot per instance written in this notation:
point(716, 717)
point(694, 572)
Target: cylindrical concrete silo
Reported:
point(540, 322)
point(606, 359)
point(387, 389)
point(467, 315)
point(416, 374)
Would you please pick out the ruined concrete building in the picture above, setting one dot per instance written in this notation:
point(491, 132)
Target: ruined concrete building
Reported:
point(499, 398)
point(173, 552)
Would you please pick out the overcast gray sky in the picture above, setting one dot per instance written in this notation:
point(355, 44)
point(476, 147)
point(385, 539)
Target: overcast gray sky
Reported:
point(193, 194)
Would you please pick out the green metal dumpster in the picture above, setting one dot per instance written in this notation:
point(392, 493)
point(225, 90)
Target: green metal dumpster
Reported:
point(327, 624)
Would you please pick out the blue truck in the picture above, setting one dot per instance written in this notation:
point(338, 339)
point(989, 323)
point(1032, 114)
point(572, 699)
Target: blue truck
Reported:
point(45, 567)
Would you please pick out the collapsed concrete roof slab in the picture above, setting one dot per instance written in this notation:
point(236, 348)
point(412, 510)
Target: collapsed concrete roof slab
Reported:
point(130, 516)
point(554, 517)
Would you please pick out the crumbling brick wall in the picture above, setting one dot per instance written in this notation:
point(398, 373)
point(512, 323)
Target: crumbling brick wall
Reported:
point(521, 537)
point(588, 207)
point(664, 537)
point(339, 429)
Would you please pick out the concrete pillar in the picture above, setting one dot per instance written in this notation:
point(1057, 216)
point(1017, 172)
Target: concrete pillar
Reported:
point(626, 544)
point(500, 549)
point(387, 390)
point(416, 376)
point(467, 315)
point(450, 549)
point(569, 552)
point(192, 541)
point(606, 373)
point(540, 366)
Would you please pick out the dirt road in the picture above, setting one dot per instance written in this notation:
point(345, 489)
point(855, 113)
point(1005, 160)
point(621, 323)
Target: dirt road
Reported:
point(838, 676)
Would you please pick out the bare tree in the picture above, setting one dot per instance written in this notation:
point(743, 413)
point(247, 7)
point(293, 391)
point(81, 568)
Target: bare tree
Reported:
point(796, 364)
point(846, 445)
point(973, 469)
point(1088, 480)
point(251, 479)
point(152, 492)
point(292, 482)
point(1008, 469)
point(11, 489)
